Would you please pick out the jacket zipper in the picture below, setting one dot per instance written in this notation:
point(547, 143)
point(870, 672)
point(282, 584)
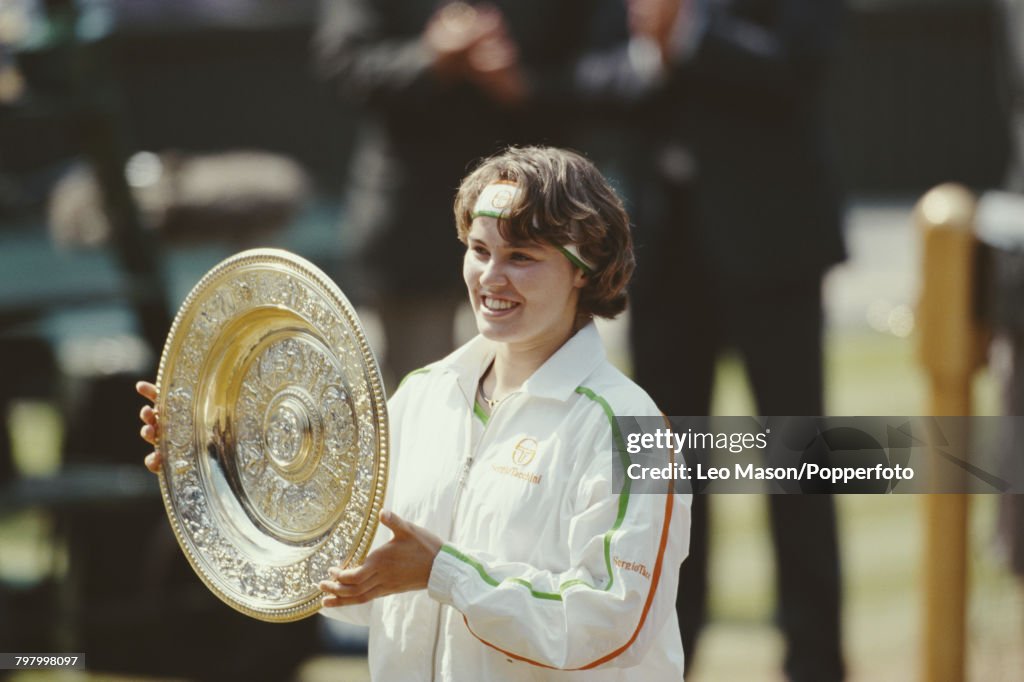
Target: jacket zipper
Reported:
point(463, 476)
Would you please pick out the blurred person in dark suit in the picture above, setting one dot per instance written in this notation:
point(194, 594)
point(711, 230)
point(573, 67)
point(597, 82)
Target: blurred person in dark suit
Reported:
point(439, 85)
point(1010, 60)
point(734, 237)
point(1010, 19)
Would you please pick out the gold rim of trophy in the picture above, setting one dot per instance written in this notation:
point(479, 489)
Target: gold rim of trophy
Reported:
point(273, 427)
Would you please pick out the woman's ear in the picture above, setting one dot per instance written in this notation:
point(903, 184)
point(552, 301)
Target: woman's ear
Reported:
point(579, 279)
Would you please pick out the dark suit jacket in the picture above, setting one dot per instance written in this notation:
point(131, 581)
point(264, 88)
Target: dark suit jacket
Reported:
point(751, 110)
point(418, 136)
point(1010, 18)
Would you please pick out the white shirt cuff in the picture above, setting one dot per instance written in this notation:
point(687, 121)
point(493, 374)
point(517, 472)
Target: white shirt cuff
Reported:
point(443, 574)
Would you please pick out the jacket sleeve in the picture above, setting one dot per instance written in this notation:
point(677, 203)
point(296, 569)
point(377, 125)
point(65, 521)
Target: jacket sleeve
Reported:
point(364, 55)
point(609, 76)
point(773, 56)
point(609, 603)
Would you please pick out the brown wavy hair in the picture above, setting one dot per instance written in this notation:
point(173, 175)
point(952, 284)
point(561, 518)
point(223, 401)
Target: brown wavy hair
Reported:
point(563, 199)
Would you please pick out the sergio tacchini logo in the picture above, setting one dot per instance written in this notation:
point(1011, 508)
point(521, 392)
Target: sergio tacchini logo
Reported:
point(524, 451)
point(502, 199)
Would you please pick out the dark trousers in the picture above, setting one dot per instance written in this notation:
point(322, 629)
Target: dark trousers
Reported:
point(683, 315)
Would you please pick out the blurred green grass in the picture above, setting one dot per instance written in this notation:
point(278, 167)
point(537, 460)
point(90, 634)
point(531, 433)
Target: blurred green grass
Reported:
point(881, 538)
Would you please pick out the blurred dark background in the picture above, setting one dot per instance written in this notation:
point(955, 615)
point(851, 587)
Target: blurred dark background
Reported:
point(914, 100)
point(914, 103)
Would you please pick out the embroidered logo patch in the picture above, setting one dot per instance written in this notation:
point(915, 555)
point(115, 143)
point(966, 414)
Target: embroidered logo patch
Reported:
point(501, 199)
point(524, 451)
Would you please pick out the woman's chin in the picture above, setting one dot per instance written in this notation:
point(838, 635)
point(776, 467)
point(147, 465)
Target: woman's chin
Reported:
point(494, 330)
point(491, 332)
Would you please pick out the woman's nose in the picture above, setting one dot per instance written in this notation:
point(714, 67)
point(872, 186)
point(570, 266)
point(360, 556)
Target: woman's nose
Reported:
point(493, 272)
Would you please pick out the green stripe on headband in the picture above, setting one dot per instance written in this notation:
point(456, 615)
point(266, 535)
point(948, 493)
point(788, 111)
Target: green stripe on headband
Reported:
point(574, 258)
point(488, 214)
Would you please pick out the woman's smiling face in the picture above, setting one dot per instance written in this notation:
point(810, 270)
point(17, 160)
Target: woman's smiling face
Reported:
point(522, 294)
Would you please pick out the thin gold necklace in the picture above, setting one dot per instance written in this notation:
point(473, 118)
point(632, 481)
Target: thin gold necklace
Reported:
point(490, 402)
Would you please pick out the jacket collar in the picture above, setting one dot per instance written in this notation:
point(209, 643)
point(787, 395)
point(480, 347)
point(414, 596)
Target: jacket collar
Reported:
point(557, 378)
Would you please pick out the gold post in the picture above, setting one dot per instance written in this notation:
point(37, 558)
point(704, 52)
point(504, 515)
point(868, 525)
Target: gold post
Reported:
point(950, 349)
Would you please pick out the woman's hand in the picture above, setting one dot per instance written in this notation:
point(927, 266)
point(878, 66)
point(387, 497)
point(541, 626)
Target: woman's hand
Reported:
point(150, 428)
point(401, 565)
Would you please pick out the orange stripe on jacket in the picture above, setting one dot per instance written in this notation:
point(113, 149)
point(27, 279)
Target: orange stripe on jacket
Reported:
point(669, 502)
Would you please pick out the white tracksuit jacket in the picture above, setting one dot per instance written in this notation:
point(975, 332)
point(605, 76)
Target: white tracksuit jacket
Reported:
point(545, 574)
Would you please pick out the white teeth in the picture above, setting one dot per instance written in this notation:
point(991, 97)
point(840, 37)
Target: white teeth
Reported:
point(497, 303)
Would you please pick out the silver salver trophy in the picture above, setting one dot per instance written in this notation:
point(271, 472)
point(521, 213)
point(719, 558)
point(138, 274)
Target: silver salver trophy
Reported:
point(274, 434)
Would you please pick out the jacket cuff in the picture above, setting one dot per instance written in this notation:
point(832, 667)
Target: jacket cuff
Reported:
point(443, 574)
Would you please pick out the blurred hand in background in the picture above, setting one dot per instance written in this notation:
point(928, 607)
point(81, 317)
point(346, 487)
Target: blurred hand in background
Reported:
point(659, 21)
point(472, 43)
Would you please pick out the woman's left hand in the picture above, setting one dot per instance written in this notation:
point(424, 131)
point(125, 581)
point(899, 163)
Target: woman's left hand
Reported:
point(401, 565)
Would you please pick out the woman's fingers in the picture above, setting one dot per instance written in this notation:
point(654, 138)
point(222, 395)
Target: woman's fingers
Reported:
point(339, 594)
point(154, 461)
point(352, 576)
point(146, 390)
point(147, 414)
point(348, 586)
point(329, 601)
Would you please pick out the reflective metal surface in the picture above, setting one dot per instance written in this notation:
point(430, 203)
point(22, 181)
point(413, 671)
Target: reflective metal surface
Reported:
point(273, 429)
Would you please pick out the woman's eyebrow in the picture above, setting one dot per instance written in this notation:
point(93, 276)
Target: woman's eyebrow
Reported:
point(524, 244)
point(518, 244)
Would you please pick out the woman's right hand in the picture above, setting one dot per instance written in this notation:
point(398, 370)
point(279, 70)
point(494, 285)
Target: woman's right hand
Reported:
point(151, 424)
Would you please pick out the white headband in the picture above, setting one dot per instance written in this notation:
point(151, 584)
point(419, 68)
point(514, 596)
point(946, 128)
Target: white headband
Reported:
point(496, 199)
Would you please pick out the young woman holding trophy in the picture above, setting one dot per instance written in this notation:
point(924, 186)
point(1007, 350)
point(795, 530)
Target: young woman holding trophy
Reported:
point(508, 555)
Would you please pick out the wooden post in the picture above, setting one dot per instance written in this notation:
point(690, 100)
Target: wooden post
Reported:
point(950, 349)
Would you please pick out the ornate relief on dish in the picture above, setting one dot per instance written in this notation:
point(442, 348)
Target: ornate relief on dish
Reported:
point(273, 431)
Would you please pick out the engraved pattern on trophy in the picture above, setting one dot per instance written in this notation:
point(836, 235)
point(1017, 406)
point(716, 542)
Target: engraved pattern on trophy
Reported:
point(179, 432)
point(295, 450)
